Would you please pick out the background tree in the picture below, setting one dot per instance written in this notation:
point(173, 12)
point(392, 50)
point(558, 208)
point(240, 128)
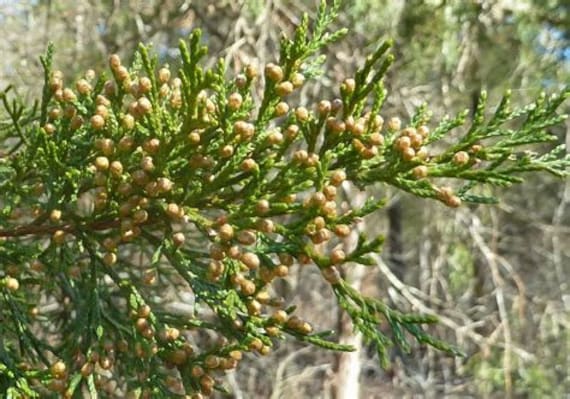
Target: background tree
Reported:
point(503, 291)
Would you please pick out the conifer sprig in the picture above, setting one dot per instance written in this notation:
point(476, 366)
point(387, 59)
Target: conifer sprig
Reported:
point(129, 184)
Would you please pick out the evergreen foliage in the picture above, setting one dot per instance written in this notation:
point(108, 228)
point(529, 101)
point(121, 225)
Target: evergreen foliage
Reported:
point(143, 179)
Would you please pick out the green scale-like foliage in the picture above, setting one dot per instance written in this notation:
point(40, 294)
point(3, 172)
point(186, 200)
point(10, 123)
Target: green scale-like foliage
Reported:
point(139, 182)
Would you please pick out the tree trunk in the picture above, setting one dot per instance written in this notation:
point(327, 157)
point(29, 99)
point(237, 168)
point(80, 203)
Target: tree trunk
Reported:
point(346, 384)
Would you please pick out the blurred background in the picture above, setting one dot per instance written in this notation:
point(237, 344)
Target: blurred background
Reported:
point(498, 276)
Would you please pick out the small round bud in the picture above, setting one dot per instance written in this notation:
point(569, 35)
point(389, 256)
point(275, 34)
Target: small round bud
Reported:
point(416, 140)
point(251, 260)
point(376, 139)
point(338, 256)
point(358, 145)
point(145, 85)
point(109, 88)
point(300, 156)
point(335, 126)
point(337, 177)
point(212, 362)
point(262, 207)
point(90, 74)
point(97, 122)
point(342, 230)
point(114, 61)
point(54, 113)
point(248, 165)
point(122, 74)
point(164, 91)
point(140, 177)
point(87, 369)
point(279, 317)
point(251, 72)
point(58, 370)
point(226, 151)
point(102, 163)
point(163, 75)
point(165, 184)
point(423, 131)
point(241, 81)
point(281, 271)
point(298, 80)
point(58, 237)
point(147, 164)
point(266, 225)
point(253, 307)
point(140, 216)
point(358, 128)
point(234, 101)
point(336, 105)
point(244, 130)
point(272, 331)
point(174, 211)
point(302, 114)
point(76, 122)
point(275, 138)
point(402, 143)
point(144, 106)
point(330, 192)
point(329, 209)
point(110, 258)
point(57, 74)
point(194, 137)
point(318, 199)
point(247, 287)
point(116, 168)
point(55, 215)
point(305, 328)
point(461, 158)
point(246, 237)
point(281, 109)
point(394, 124)
point(102, 111)
point(69, 95)
point(453, 201)
point(422, 154)
point(319, 222)
point(324, 107)
point(321, 236)
point(151, 146)
point(284, 88)
point(11, 283)
point(49, 129)
point(128, 122)
point(420, 172)
point(377, 122)
point(83, 87)
point(126, 143)
point(331, 275)
point(226, 232)
point(475, 148)
point(348, 86)
point(151, 189)
point(291, 132)
point(273, 72)
point(444, 193)
point(58, 94)
point(178, 239)
point(408, 154)
point(106, 146)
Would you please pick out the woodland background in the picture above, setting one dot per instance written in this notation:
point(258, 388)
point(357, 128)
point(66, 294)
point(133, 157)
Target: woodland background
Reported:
point(497, 276)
